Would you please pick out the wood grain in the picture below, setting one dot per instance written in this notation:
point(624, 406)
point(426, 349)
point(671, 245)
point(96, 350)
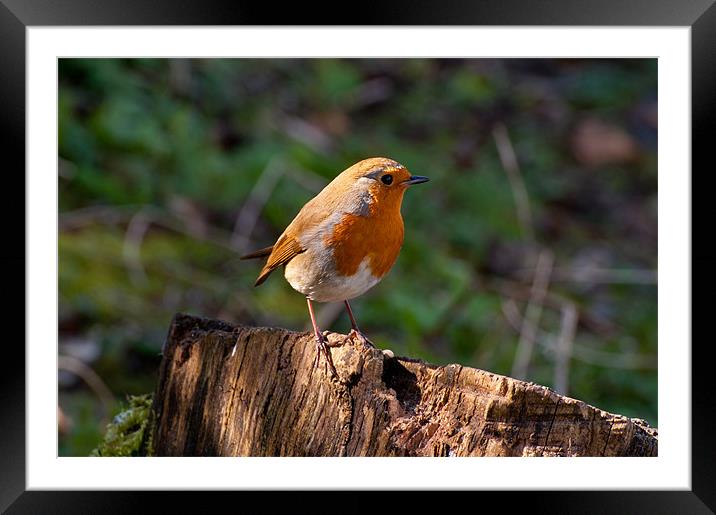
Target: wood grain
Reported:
point(228, 390)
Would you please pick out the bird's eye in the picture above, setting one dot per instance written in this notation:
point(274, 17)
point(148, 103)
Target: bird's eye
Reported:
point(387, 179)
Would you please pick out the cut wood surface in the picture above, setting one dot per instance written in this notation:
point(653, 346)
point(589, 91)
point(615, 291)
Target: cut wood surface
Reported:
point(227, 390)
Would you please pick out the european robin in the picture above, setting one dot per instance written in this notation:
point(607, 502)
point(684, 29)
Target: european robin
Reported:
point(344, 240)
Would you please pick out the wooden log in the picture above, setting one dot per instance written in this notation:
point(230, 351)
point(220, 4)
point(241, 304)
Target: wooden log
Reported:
point(227, 390)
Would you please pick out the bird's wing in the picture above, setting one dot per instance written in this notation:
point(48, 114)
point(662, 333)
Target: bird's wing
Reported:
point(311, 217)
point(285, 249)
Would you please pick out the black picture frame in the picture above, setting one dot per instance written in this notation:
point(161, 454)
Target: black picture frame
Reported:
point(17, 15)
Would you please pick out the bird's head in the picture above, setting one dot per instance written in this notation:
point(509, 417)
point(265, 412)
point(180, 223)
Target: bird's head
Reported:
point(383, 179)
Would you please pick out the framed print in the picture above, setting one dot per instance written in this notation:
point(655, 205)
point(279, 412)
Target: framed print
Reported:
point(94, 92)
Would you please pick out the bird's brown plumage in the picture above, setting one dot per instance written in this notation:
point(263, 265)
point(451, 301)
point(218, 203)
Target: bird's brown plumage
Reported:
point(285, 249)
point(354, 221)
point(344, 240)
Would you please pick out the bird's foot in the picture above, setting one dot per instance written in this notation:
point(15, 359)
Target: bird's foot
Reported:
point(322, 346)
point(357, 334)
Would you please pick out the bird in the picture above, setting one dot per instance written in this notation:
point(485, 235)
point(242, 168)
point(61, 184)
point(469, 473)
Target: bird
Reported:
point(343, 241)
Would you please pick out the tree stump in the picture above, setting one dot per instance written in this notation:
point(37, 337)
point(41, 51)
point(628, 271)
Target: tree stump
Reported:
point(228, 390)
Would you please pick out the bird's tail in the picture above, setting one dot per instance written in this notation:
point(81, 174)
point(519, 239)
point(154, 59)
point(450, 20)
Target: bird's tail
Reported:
point(258, 253)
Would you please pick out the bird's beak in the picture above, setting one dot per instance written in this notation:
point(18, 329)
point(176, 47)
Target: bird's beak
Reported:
point(415, 179)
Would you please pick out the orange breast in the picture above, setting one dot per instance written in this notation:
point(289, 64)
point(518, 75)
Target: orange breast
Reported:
point(378, 236)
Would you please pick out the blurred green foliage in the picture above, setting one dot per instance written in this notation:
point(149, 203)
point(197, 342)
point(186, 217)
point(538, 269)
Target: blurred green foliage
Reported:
point(170, 169)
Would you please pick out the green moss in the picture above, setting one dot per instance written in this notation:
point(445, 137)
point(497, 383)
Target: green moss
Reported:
point(125, 435)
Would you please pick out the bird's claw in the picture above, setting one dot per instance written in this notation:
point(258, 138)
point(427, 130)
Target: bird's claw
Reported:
point(358, 334)
point(322, 346)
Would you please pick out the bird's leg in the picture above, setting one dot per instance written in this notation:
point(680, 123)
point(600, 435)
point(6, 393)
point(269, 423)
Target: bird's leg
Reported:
point(355, 332)
point(321, 342)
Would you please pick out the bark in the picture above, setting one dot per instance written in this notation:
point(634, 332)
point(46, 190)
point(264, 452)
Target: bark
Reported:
point(267, 399)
